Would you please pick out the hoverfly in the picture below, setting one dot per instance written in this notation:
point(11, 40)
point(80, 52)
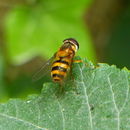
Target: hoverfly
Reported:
point(60, 62)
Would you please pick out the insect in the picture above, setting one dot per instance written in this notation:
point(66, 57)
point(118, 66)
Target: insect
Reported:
point(61, 61)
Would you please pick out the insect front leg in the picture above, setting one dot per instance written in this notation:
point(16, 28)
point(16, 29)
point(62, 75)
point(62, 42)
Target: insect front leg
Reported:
point(77, 61)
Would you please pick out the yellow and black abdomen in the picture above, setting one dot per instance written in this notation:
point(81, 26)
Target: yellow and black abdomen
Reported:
point(59, 69)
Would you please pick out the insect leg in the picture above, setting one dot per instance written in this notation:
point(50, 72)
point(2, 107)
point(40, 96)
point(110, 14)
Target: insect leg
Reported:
point(77, 61)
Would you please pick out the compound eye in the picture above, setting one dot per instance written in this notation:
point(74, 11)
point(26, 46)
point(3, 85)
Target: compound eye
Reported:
point(72, 41)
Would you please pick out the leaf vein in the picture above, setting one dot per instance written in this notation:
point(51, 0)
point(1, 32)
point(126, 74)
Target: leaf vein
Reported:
point(113, 99)
point(62, 114)
point(87, 100)
point(21, 120)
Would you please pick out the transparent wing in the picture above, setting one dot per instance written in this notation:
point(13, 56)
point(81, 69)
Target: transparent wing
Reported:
point(43, 70)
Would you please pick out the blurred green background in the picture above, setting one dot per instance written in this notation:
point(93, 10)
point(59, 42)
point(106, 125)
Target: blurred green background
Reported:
point(31, 31)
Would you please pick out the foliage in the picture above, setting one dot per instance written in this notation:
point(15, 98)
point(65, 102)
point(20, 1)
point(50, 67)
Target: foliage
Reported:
point(32, 30)
point(3, 92)
point(119, 42)
point(96, 98)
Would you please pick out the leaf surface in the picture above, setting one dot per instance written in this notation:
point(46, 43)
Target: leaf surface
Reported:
point(96, 98)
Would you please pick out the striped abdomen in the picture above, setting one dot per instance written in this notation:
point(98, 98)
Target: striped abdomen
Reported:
point(59, 69)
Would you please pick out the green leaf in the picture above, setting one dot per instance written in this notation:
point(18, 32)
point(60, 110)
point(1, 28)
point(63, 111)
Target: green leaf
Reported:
point(96, 98)
point(32, 31)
